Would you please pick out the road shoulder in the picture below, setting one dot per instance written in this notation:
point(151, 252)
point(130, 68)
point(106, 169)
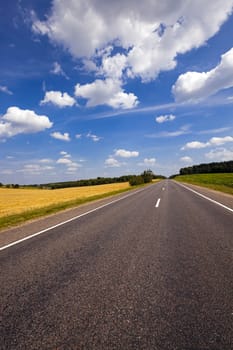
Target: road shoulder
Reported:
point(221, 197)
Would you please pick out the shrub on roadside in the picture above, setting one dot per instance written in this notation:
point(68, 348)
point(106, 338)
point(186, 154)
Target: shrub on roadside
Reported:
point(136, 180)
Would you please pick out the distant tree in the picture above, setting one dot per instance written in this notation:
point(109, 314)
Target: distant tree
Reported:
point(147, 175)
point(136, 180)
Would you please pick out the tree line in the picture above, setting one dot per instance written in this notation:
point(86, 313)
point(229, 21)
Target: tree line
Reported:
point(134, 180)
point(87, 182)
point(146, 177)
point(206, 168)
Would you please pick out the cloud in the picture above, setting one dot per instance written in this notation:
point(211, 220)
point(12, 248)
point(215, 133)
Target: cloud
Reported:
point(165, 118)
point(113, 66)
point(150, 33)
point(5, 90)
point(6, 172)
point(214, 141)
point(126, 154)
point(35, 169)
point(57, 70)
point(59, 136)
point(112, 163)
point(185, 129)
point(93, 137)
point(22, 121)
point(214, 131)
point(106, 92)
point(148, 162)
point(58, 98)
point(217, 141)
point(89, 66)
point(45, 161)
point(72, 169)
point(65, 154)
point(194, 145)
point(220, 154)
point(186, 159)
point(71, 166)
point(78, 136)
point(195, 86)
point(64, 161)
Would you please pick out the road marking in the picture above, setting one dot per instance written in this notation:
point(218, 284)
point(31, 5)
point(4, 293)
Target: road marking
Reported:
point(65, 222)
point(163, 188)
point(157, 203)
point(209, 199)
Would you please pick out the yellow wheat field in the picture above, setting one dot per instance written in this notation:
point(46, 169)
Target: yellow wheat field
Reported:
point(15, 201)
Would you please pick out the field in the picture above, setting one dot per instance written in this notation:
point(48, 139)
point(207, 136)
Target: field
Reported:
point(18, 205)
point(220, 182)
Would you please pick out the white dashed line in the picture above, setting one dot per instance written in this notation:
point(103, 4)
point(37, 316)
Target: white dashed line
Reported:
point(157, 203)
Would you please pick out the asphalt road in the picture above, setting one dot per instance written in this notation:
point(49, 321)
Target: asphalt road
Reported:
point(151, 271)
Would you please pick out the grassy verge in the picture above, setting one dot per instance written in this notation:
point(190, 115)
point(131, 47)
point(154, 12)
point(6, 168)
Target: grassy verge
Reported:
point(219, 182)
point(16, 219)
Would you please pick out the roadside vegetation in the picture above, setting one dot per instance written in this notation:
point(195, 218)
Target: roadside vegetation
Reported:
point(208, 168)
point(22, 203)
point(146, 177)
point(217, 181)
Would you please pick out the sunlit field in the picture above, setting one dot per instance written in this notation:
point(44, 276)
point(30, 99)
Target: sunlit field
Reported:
point(16, 201)
point(220, 182)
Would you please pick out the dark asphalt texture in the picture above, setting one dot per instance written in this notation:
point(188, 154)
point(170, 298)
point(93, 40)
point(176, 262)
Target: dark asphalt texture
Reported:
point(128, 276)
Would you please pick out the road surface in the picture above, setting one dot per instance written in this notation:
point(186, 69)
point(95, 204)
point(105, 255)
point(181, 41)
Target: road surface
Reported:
point(151, 271)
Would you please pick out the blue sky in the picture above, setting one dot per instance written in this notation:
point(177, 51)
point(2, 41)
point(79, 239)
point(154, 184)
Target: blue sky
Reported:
point(105, 88)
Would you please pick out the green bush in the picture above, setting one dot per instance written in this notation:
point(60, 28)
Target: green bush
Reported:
point(136, 180)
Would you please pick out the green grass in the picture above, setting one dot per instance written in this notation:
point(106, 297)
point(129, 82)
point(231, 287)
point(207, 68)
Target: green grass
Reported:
point(220, 182)
point(16, 219)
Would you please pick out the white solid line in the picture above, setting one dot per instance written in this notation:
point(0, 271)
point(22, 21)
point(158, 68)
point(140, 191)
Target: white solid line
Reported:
point(65, 222)
point(157, 203)
point(209, 199)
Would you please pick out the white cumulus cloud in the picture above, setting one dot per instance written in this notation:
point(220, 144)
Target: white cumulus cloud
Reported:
point(106, 92)
point(152, 33)
point(58, 98)
point(93, 137)
point(22, 121)
point(194, 145)
point(220, 154)
point(64, 161)
point(148, 162)
point(65, 154)
point(59, 136)
point(112, 162)
point(126, 154)
point(194, 86)
point(35, 169)
point(165, 118)
point(214, 141)
point(217, 141)
point(186, 159)
point(71, 166)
